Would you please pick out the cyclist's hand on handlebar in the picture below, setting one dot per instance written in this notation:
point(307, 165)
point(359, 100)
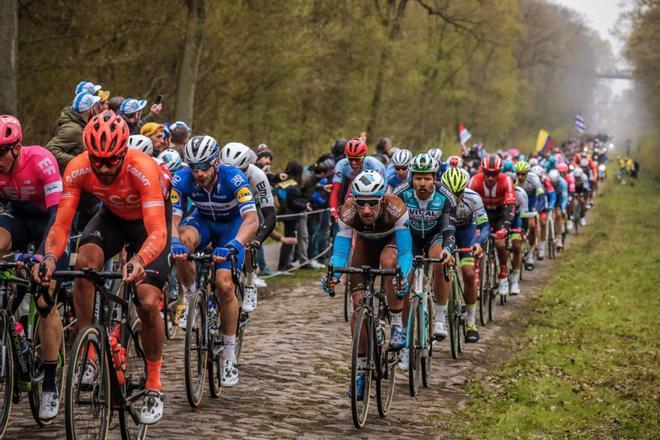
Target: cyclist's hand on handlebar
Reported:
point(501, 234)
point(328, 284)
point(179, 251)
point(402, 288)
point(23, 259)
point(49, 264)
point(477, 251)
point(138, 274)
point(446, 256)
point(220, 254)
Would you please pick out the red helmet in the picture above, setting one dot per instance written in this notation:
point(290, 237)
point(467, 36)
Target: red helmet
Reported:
point(454, 161)
point(491, 163)
point(106, 135)
point(355, 147)
point(562, 167)
point(10, 130)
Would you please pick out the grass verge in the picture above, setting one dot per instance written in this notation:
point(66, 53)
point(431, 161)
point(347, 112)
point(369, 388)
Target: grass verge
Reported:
point(585, 364)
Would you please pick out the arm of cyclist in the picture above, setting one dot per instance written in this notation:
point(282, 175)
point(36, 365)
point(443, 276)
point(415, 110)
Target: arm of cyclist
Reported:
point(266, 228)
point(340, 253)
point(249, 226)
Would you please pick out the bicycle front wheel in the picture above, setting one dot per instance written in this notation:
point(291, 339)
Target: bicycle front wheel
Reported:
point(135, 379)
point(88, 397)
point(6, 373)
point(427, 356)
point(386, 375)
point(347, 299)
point(169, 310)
point(361, 362)
point(491, 271)
point(454, 320)
point(414, 346)
point(214, 361)
point(484, 294)
point(195, 353)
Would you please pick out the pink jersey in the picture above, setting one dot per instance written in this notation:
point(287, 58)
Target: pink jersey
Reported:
point(570, 181)
point(35, 181)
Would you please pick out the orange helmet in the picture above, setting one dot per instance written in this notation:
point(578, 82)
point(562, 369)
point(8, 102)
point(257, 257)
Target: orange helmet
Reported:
point(106, 135)
point(355, 147)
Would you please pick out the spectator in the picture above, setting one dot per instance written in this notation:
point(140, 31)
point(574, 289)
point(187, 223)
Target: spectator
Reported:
point(337, 150)
point(179, 134)
point(319, 223)
point(292, 202)
point(131, 111)
point(156, 133)
point(87, 86)
point(265, 161)
point(114, 103)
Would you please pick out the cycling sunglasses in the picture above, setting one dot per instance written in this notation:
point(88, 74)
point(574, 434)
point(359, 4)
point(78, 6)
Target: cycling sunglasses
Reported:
point(4, 149)
point(109, 162)
point(401, 168)
point(354, 157)
point(372, 203)
point(202, 166)
point(491, 173)
point(521, 174)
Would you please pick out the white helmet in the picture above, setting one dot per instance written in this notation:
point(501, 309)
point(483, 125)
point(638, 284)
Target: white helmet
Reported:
point(201, 149)
point(402, 158)
point(436, 153)
point(533, 161)
point(578, 173)
point(368, 183)
point(237, 155)
point(584, 162)
point(553, 175)
point(142, 143)
point(538, 170)
point(172, 159)
point(467, 174)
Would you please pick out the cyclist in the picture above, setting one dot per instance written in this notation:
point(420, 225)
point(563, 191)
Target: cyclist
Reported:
point(346, 169)
point(141, 143)
point(400, 170)
point(582, 190)
point(521, 216)
point(531, 183)
point(545, 205)
point(561, 191)
point(242, 157)
point(31, 188)
point(436, 153)
point(472, 230)
point(496, 190)
point(171, 159)
point(383, 239)
point(134, 212)
point(224, 215)
point(431, 211)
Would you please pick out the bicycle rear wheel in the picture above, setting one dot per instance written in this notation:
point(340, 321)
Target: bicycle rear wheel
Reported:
point(37, 374)
point(6, 373)
point(427, 356)
point(414, 346)
point(362, 335)
point(195, 354)
point(135, 379)
point(88, 406)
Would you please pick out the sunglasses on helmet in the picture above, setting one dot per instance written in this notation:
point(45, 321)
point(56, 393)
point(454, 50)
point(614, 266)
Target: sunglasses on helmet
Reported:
point(372, 203)
point(109, 162)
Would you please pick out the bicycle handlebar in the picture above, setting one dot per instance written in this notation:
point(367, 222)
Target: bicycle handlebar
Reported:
point(364, 270)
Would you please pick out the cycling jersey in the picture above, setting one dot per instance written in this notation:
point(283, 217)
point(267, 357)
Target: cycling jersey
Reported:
point(534, 189)
point(550, 196)
point(522, 203)
point(228, 200)
point(263, 196)
point(499, 200)
point(570, 182)
point(137, 193)
point(431, 217)
point(344, 175)
point(561, 189)
point(470, 217)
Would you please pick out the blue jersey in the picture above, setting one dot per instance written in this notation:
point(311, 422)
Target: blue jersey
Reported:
point(561, 189)
point(228, 200)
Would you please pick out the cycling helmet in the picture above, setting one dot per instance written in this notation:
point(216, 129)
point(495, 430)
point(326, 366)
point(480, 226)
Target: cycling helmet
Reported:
point(538, 170)
point(106, 135)
point(553, 175)
point(533, 161)
point(522, 157)
point(402, 158)
point(424, 163)
point(338, 148)
point(455, 162)
point(368, 183)
point(466, 173)
point(578, 173)
point(454, 179)
point(562, 167)
point(584, 162)
point(10, 130)
point(508, 166)
point(436, 153)
point(237, 155)
point(522, 166)
point(355, 148)
point(491, 163)
point(172, 159)
point(201, 149)
point(142, 143)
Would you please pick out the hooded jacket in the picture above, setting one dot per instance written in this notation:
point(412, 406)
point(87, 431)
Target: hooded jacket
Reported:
point(67, 141)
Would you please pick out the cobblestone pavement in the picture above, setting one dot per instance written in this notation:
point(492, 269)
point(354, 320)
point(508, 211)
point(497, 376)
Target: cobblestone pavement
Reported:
point(294, 377)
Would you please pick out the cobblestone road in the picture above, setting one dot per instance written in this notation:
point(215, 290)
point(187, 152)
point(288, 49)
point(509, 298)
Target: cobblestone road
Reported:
point(294, 379)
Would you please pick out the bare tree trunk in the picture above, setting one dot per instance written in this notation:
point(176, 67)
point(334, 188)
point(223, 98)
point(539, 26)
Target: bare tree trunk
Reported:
point(185, 90)
point(393, 25)
point(8, 52)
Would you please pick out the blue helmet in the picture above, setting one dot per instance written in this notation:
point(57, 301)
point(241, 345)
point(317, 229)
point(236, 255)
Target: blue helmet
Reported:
point(508, 167)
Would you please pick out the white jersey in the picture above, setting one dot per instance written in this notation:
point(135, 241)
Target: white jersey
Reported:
point(522, 201)
point(260, 186)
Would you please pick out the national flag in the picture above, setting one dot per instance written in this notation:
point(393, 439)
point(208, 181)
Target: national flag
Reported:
point(543, 142)
point(579, 123)
point(463, 134)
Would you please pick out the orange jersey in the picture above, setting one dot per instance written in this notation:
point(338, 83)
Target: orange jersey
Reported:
point(137, 192)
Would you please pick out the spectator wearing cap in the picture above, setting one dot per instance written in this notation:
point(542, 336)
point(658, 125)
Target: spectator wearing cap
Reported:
point(131, 110)
point(291, 202)
point(156, 133)
point(67, 141)
point(319, 223)
point(87, 86)
point(265, 162)
point(179, 134)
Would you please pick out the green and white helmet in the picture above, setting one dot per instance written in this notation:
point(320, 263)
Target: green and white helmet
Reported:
point(454, 179)
point(424, 163)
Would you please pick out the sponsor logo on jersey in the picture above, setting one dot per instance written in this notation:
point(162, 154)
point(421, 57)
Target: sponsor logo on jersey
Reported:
point(53, 187)
point(237, 180)
point(137, 173)
point(423, 214)
point(47, 167)
point(244, 195)
point(77, 173)
point(153, 204)
point(175, 197)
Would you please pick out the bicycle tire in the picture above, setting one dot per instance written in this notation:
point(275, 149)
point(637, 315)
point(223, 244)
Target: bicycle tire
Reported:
point(195, 354)
point(8, 383)
point(492, 286)
point(484, 294)
point(414, 343)
point(34, 396)
point(360, 409)
point(453, 321)
point(169, 312)
point(214, 357)
point(88, 338)
point(386, 376)
point(551, 238)
point(347, 299)
point(135, 378)
point(427, 358)
point(243, 319)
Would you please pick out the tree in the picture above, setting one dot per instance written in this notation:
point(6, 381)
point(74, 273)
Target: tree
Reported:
point(189, 67)
point(8, 54)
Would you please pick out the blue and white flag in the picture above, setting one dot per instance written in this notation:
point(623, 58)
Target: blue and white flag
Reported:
point(579, 124)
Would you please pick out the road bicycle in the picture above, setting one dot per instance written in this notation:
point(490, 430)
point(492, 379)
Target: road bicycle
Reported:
point(488, 282)
point(455, 307)
point(377, 363)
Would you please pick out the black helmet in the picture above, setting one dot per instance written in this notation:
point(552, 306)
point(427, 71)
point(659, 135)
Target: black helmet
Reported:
point(383, 145)
point(338, 147)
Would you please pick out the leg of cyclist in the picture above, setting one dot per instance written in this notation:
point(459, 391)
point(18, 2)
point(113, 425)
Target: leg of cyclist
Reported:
point(516, 262)
point(185, 271)
point(229, 316)
point(388, 260)
point(543, 215)
point(559, 226)
point(441, 288)
point(470, 297)
point(250, 292)
point(532, 234)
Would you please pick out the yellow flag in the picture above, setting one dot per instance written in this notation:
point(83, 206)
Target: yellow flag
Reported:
point(541, 139)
